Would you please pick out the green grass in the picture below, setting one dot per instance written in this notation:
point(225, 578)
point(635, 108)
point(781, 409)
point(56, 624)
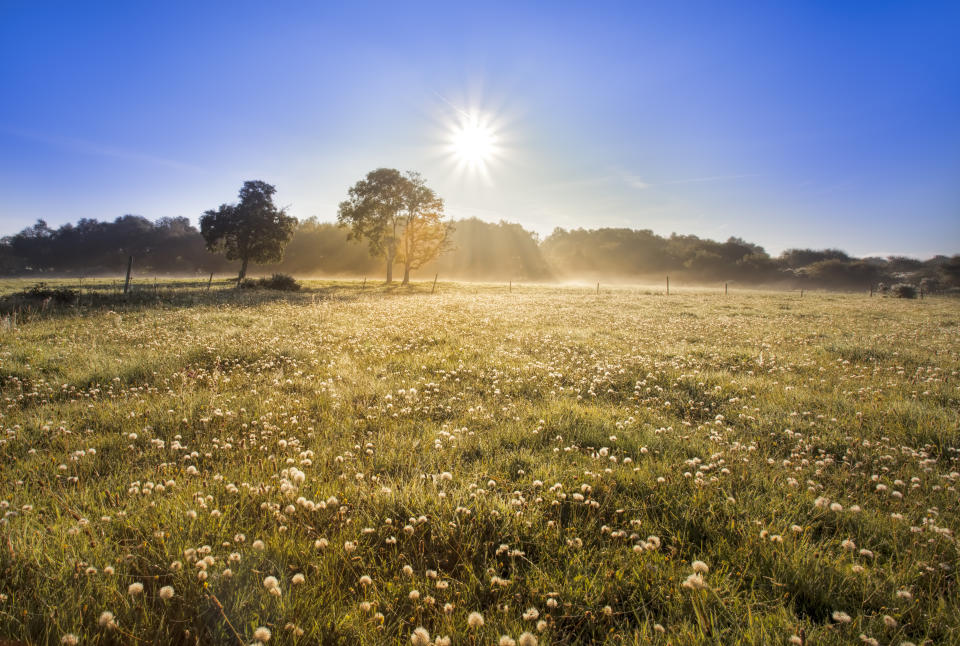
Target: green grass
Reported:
point(433, 430)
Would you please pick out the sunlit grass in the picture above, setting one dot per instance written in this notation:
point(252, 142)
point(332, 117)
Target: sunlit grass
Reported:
point(554, 459)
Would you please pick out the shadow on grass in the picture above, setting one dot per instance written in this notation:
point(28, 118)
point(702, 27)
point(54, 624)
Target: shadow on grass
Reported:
point(35, 304)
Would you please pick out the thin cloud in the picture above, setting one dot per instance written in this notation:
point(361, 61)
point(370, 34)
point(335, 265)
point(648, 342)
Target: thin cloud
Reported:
point(91, 148)
point(638, 183)
point(715, 178)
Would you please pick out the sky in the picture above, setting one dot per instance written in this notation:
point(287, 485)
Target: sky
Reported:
point(789, 124)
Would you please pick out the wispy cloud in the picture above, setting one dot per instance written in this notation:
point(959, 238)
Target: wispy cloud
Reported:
point(638, 183)
point(85, 147)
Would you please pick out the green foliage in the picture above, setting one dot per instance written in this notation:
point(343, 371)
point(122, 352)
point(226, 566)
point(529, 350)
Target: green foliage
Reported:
point(400, 217)
point(904, 290)
point(479, 251)
point(60, 295)
point(279, 282)
point(253, 230)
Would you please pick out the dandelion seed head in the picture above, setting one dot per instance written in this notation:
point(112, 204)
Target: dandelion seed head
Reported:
point(420, 637)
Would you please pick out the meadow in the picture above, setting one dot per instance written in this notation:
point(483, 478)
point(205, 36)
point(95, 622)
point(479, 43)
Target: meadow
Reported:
point(547, 465)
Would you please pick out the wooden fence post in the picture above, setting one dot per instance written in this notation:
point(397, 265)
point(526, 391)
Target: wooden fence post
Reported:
point(210, 282)
point(434, 288)
point(725, 287)
point(668, 285)
point(126, 283)
point(598, 288)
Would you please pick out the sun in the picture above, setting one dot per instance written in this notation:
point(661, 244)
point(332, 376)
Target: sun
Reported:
point(473, 142)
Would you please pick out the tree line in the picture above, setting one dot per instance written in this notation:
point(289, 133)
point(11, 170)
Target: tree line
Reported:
point(391, 218)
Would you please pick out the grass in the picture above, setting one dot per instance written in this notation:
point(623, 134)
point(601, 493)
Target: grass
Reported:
point(547, 448)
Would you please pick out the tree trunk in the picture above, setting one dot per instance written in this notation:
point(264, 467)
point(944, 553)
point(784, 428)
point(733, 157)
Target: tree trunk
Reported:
point(243, 271)
point(389, 269)
point(406, 274)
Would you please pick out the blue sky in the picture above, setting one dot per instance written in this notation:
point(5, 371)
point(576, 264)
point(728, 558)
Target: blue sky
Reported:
point(788, 124)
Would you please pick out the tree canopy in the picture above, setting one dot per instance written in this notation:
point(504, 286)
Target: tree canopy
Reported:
point(400, 216)
point(253, 230)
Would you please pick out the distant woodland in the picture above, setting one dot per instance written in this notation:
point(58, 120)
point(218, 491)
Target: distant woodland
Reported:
point(479, 251)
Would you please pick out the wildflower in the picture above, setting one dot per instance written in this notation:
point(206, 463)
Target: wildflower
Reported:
point(889, 621)
point(69, 640)
point(532, 614)
point(106, 620)
point(294, 628)
point(297, 579)
point(841, 617)
point(366, 580)
point(700, 567)
point(527, 639)
point(262, 634)
point(134, 589)
point(166, 592)
point(475, 620)
point(420, 637)
point(259, 545)
point(506, 640)
point(414, 595)
point(694, 582)
point(408, 570)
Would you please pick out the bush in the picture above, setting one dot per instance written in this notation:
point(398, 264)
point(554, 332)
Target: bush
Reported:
point(280, 282)
point(904, 290)
point(59, 295)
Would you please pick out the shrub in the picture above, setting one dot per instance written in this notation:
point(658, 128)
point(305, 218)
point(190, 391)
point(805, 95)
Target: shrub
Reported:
point(59, 295)
point(280, 282)
point(904, 290)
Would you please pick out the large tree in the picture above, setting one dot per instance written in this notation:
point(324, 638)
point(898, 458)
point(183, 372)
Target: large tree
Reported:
point(400, 217)
point(425, 233)
point(253, 230)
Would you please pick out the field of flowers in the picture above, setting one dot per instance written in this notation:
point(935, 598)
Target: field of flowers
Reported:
point(478, 466)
